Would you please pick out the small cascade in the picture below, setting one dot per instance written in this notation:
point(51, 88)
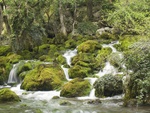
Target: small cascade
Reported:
point(108, 69)
point(111, 46)
point(69, 54)
point(13, 74)
point(38, 95)
point(66, 72)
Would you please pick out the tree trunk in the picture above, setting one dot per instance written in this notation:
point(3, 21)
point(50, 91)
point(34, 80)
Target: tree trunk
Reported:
point(89, 9)
point(1, 19)
point(7, 25)
point(74, 18)
point(63, 28)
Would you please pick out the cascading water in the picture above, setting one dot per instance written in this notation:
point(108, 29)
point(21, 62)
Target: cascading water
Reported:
point(109, 69)
point(13, 74)
point(68, 55)
point(42, 100)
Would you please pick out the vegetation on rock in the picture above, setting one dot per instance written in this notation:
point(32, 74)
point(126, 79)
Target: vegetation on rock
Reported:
point(44, 77)
point(6, 95)
point(108, 85)
point(76, 88)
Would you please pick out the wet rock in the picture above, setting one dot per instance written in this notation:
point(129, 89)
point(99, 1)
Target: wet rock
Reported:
point(76, 88)
point(65, 103)
point(95, 102)
point(6, 95)
point(45, 77)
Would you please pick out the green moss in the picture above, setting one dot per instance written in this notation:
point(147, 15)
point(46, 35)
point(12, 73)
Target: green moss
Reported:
point(45, 77)
point(84, 57)
point(79, 71)
point(103, 55)
point(89, 46)
point(6, 95)
point(4, 50)
point(107, 36)
point(61, 59)
point(70, 44)
point(13, 58)
point(45, 58)
point(26, 54)
point(43, 49)
point(75, 88)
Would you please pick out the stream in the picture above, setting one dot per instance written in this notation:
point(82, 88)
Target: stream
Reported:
point(42, 102)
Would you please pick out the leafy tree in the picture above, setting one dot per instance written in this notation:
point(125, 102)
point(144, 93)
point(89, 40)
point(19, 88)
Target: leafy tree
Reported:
point(138, 61)
point(131, 17)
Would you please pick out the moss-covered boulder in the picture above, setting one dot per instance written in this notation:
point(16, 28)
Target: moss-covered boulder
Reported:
point(4, 50)
point(76, 88)
point(102, 56)
point(79, 71)
point(83, 57)
point(44, 77)
point(65, 103)
point(71, 43)
point(89, 46)
point(108, 85)
point(6, 95)
point(60, 59)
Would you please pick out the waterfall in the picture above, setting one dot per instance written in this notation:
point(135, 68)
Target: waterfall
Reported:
point(69, 54)
point(108, 69)
point(66, 72)
point(13, 74)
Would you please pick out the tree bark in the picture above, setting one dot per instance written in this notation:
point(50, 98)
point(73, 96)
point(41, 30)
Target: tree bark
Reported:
point(1, 19)
point(63, 28)
point(74, 18)
point(89, 9)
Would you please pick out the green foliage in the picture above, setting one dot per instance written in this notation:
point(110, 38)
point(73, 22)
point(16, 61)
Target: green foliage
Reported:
point(131, 17)
point(108, 85)
point(86, 28)
point(137, 59)
point(4, 50)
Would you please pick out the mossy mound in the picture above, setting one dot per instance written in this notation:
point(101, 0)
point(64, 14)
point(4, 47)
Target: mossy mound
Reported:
point(71, 43)
point(107, 37)
point(4, 50)
point(102, 56)
point(89, 46)
point(79, 71)
point(108, 85)
point(84, 59)
point(6, 95)
point(43, 78)
point(45, 58)
point(60, 59)
point(76, 88)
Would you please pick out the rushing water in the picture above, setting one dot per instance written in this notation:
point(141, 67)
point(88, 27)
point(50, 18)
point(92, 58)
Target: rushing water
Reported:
point(42, 102)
